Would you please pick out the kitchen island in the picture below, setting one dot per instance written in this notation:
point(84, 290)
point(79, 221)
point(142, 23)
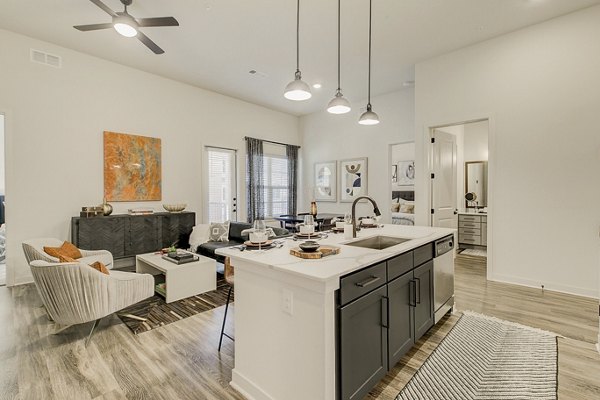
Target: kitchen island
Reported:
point(287, 330)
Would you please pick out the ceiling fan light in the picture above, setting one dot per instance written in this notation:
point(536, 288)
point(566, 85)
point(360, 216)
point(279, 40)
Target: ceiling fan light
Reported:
point(369, 117)
point(297, 89)
point(339, 104)
point(125, 25)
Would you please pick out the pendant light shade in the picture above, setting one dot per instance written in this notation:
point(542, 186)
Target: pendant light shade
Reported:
point(369, 117)
point(297, 89)
point(338, 105)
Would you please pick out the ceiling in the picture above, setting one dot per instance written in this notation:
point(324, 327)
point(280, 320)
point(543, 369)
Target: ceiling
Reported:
point(220, 41)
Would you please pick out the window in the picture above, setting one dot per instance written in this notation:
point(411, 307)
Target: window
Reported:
point(221, 171)
point(275, 185)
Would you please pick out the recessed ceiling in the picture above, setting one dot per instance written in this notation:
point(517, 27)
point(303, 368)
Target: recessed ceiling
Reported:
point(220, 41)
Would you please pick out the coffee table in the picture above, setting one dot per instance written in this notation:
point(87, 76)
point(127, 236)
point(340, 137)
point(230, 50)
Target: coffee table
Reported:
point(182, 280)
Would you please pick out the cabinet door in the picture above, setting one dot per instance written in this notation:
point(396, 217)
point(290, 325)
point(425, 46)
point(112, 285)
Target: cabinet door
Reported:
point(423, 276)
point(101, 233)
point(176, 228)
point(363, 344)
point(401, 326)
point(144, 234)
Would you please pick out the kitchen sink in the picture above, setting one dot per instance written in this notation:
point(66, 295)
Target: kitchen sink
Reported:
point(378, 242)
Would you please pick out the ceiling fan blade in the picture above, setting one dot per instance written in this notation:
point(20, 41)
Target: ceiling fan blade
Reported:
point(160, 21)
point(93, 27)
point(104, 7)
point(149, 43)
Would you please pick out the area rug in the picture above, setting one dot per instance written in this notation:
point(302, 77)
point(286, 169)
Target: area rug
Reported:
point(474, 252)
point(487, 358)
point(158, 313)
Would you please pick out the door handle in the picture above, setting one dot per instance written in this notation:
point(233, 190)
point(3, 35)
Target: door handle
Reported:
point(384, 312)
point(418, 287)
point(368, 281)
point(412, 301)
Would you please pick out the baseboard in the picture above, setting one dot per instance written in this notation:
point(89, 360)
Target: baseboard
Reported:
point(24, 280)
point(551, 286)
point(247, 388)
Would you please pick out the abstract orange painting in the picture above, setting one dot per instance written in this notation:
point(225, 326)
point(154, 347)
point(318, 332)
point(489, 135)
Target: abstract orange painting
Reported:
point(132, 167)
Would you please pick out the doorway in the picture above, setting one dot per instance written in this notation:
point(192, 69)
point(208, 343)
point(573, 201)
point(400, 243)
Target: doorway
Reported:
point(2, 204)
point(221, 184)
point(460, 184)
point(402, 183)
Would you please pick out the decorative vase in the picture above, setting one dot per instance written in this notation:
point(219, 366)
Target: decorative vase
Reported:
point(107, 209)
point(313, 208)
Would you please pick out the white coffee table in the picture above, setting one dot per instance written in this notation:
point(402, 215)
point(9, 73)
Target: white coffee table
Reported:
point(182, 280)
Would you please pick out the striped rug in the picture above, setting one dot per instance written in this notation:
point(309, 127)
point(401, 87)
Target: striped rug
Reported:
point(158, 313)
point(487, 358)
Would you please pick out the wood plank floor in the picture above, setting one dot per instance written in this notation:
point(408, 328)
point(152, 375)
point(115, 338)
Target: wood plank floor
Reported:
point(180, 361)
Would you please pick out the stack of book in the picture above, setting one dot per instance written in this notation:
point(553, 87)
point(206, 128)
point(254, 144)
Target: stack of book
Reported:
point(180, 257)
point(140, 211)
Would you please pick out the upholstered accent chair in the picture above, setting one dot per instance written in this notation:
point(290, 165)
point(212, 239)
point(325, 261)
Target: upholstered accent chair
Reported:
point(75, 293)
point(34, 250)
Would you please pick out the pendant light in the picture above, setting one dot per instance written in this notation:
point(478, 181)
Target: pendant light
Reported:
point(369, 117)
point(339, 104)
point(297, 89)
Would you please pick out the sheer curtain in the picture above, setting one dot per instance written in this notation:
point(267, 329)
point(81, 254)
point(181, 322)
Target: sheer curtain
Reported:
point(254, 179)
point(291, 152)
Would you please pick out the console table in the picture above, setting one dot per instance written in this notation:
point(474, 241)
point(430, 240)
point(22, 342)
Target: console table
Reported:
point(127, 235)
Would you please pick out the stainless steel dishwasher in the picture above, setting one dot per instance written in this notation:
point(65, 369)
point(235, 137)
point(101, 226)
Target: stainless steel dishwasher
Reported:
point(443, 277)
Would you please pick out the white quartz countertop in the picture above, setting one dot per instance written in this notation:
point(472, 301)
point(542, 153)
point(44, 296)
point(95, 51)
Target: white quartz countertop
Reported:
point(351, 258)
point(472, 212)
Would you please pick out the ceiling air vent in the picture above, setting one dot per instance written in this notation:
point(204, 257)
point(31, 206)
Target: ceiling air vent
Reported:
point(46, 58)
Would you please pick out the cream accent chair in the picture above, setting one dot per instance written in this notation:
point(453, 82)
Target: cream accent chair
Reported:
point(75, 293)
point(34, 250)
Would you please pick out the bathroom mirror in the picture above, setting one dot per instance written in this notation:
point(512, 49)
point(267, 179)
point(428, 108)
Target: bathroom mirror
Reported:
point(476, 177)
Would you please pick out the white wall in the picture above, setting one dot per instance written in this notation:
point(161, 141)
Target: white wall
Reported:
point(2, 167)
point(540, 87)
point(55, 119)
point(476, 141)
point(328, 137)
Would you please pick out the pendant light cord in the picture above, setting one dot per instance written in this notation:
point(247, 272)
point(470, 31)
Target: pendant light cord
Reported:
point(298, 37)
point(369, 92)
point(339, 24)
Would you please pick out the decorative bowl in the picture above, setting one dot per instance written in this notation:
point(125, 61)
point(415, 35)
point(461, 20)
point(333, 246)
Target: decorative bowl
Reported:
point(309, 246)
point(175, 208)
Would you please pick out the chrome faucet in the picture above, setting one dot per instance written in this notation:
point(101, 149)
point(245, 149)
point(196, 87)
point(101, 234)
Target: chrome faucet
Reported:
point(375, 210)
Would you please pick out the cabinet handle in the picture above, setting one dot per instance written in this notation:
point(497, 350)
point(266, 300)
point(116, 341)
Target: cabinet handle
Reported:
point(368, 281)
point(412, 301)
point(384, 312)
point(418, 286)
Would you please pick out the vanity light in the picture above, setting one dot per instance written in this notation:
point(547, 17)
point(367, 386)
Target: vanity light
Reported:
point(338, 105)
point(297, 89)
point(369, 117)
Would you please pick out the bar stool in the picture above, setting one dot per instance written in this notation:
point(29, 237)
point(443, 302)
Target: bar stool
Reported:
point(229, 280)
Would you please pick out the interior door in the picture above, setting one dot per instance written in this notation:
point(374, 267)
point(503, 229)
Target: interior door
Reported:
point(221, 187)
point(443, 182)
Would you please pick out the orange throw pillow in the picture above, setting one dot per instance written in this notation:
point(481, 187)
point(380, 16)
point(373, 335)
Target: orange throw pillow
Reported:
point(65, 259)
point(67, 249)
point(100, 267)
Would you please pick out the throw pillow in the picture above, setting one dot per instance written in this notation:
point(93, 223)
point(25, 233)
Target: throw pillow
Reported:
point(219, 232)
point(200, 234)
point(395, 207)
point(407, 208)
point(98, 266)
point(67, 249)
point(65, 259)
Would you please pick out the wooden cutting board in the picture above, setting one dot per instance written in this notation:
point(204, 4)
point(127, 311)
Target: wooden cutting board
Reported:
point(313, 255)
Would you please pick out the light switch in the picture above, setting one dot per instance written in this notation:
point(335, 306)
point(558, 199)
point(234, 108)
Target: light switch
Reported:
point(287, 301)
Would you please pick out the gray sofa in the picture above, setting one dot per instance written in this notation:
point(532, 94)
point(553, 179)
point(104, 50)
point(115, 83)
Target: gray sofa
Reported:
point(235, 238)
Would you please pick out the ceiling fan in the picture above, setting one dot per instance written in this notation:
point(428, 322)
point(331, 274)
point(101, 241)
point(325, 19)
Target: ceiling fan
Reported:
point(128, 26)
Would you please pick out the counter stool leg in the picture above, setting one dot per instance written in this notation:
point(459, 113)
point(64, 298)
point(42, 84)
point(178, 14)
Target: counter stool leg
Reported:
point(225, 319)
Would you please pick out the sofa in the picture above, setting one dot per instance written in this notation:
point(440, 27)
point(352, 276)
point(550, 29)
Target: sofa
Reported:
point(236, 238)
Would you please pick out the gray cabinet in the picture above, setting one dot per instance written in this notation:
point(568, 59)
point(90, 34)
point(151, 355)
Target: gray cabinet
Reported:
point(472, 229)
point(363, 344)
point(383, 310)
point(128, 235)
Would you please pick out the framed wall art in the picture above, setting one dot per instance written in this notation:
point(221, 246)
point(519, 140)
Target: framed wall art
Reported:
point(132, 167)
point(406, 173)
point(353, 179)
point(326, 181)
